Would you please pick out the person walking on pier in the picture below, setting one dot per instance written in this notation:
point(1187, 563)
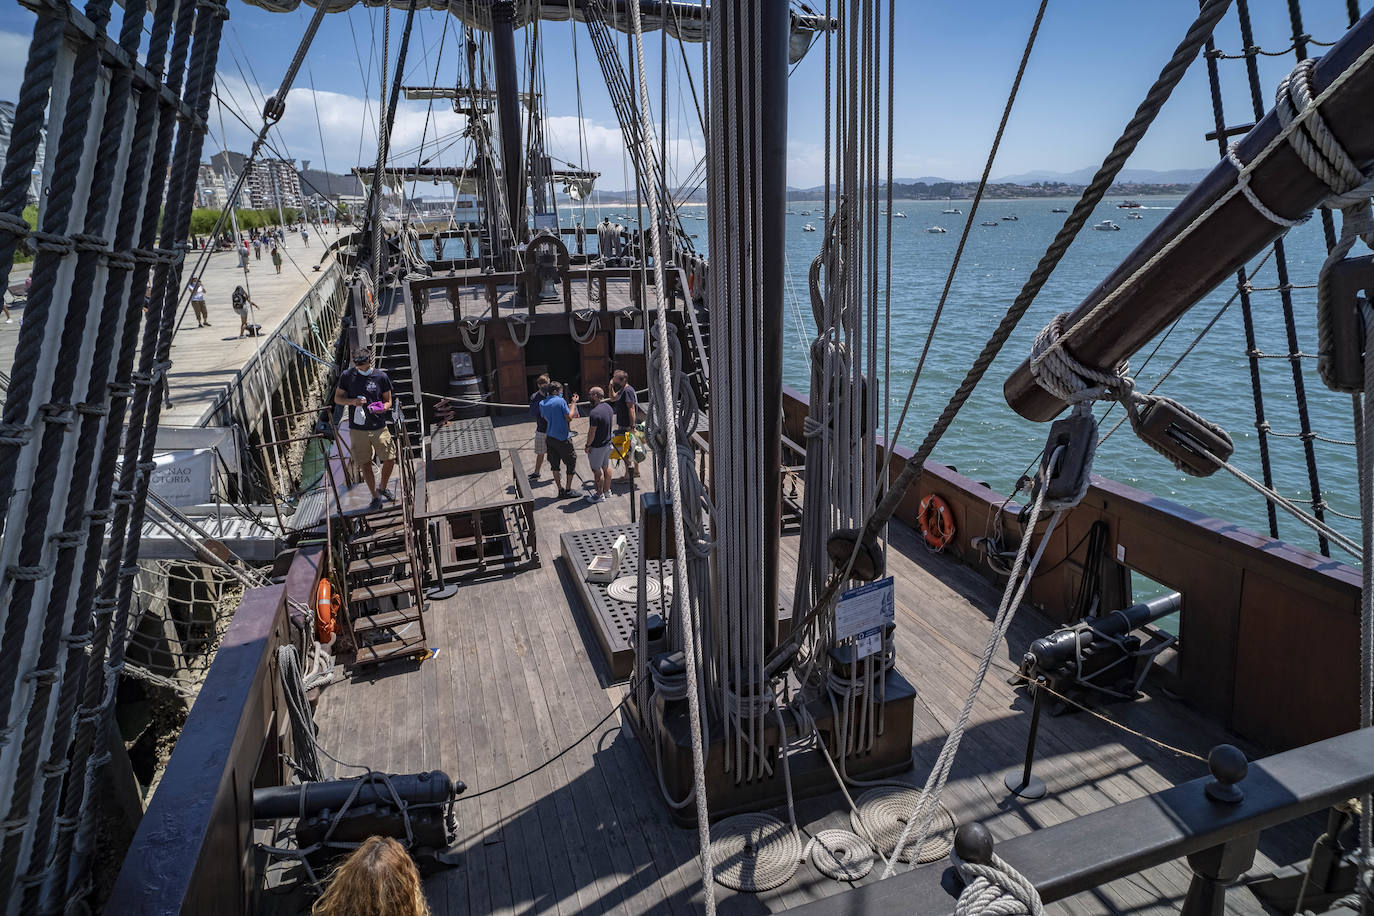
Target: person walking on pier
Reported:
point(368, 392)
point(257, 248)
point(598, 448)
point(197, 302)
point(243, 256)
point(305, 236)
point(241, 304)
point(626, 407)
point(558, 439)
point(276, 257)
point(541, 426)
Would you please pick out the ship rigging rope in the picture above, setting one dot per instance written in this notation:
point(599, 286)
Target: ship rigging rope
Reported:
point(1154, 100)
point(673, 468)
point(1364, 426)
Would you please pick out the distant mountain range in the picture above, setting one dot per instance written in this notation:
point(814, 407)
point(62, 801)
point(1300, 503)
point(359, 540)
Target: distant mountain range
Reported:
point(1128, 176)
point(1080, 177)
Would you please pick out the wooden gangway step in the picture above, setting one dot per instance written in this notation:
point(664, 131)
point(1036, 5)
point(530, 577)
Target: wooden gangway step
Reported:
point(380, 590)
point(411, 645)
point(385, 620)
point(379, 563)
point(378, 536)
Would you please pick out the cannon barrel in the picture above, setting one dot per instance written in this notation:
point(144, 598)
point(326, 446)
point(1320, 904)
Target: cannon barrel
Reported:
point(1226, 239)
point(1049, 652)
point(313, 797)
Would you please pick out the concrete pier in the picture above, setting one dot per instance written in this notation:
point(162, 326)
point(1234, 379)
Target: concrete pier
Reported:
point(206, 361)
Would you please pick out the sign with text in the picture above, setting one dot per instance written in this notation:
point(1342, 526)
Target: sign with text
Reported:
point(865, 608)
point(184, 477)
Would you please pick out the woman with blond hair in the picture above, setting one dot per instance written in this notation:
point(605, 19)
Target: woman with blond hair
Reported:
point(377, 879)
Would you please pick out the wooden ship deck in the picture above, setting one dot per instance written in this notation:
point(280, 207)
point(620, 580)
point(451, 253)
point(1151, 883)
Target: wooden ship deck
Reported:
point(518, 677)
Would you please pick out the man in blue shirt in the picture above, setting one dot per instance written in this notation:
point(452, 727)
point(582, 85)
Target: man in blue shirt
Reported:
point(558, 437)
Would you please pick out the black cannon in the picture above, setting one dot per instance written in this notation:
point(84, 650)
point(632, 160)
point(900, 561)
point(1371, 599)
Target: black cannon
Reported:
point(337, 814)
point(1102, 653)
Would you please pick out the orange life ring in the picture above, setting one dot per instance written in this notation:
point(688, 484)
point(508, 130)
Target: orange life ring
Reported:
point(936, 521)
point(326, 610)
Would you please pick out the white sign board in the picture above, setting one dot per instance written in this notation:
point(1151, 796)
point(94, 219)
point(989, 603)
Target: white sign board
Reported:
point(863, 612)
point(184, 478)
point(629, 341)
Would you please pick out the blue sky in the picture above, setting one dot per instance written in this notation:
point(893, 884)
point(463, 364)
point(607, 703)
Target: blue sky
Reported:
point(1092, 64)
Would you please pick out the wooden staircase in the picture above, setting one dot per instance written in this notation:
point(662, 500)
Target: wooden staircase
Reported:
point(385, 564)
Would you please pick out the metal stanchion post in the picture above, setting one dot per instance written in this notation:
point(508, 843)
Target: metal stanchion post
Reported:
point(1026, 784)
point(442, 589)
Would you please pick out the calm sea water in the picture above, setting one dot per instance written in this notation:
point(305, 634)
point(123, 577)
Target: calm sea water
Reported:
point(992, 443)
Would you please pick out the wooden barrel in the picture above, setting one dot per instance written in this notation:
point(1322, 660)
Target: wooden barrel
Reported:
point(467, 393)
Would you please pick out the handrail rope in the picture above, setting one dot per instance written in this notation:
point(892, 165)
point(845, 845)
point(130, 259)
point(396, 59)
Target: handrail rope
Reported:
point(1109, 720)
point(1154, 100)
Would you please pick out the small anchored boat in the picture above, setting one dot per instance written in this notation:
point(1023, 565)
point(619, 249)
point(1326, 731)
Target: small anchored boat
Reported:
point(938, 229)
point(1106, 226)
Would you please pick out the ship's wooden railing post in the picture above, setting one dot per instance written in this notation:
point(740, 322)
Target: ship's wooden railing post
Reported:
point(1217, 868)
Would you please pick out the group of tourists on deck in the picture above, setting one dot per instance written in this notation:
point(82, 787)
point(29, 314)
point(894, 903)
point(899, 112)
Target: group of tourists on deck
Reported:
point(610, 433)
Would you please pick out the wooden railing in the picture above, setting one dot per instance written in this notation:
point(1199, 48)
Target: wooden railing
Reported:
point(1218, 838)
point(193, 851)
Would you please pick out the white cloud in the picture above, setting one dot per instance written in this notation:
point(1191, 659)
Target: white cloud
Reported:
point(347, 125)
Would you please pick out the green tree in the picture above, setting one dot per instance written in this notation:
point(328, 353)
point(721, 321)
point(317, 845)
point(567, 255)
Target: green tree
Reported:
point(21, 252)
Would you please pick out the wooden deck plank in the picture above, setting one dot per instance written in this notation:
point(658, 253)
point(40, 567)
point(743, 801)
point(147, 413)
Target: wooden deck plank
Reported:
point(515, 684)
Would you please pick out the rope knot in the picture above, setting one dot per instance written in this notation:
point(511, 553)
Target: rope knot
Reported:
point(50, 241)
point(120, 260)
point(27, 573)
point(68, 538)
point(87, 241)
point(996, 889)
point(14, 225)
point(15, 433)
point(56, 414)
point(1063, 376)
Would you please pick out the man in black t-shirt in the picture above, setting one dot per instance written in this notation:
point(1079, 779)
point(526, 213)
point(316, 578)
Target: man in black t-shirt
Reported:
point(366, 392)
point(598, 448)
point(541, 425)
point(626, 407)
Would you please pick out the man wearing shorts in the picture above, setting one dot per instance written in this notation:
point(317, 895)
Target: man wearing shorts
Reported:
point(626, 407)
point(541, 426)
point(359, 389)
point(558, 437)
point(598, 449)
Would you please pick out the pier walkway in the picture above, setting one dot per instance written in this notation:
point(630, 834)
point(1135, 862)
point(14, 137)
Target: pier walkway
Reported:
point(205, 361)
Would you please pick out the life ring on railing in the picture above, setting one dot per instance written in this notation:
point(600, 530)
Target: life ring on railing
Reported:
point(326, 611)
point(936, 521)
